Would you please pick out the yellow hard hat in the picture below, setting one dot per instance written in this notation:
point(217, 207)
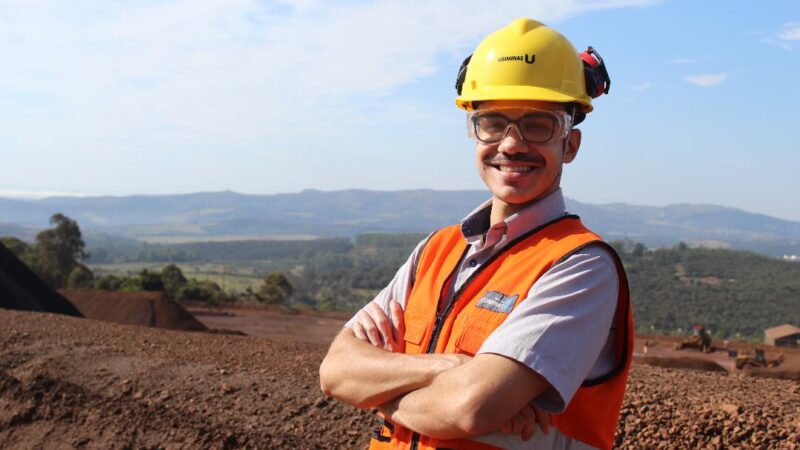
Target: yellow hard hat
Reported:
point(527, 60)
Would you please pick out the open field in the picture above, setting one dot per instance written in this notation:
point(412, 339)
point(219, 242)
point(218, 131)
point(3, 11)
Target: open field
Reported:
point(233, 278)
point(77, 383)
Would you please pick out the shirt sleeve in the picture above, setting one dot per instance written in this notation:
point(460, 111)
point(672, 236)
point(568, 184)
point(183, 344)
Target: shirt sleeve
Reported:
point(400, 286)
point(562, 328)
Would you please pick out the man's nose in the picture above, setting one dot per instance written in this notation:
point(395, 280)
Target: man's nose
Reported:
point(512, 142)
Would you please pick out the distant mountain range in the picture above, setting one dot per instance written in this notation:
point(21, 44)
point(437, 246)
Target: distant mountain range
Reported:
point(312, 213)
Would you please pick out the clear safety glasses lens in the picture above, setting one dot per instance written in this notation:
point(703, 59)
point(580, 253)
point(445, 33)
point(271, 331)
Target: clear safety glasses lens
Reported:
point(535, 127)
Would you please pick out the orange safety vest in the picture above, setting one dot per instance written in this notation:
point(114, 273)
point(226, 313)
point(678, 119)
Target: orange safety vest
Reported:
point(593, 413)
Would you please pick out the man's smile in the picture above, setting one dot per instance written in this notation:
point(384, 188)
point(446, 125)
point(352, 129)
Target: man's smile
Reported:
point(513, 168)
point(508, 166)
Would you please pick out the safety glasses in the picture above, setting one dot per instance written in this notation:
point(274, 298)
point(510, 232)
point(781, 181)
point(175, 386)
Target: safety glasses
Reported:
point(535, 126)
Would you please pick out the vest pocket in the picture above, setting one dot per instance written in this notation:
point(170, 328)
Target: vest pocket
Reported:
point(471, 338)
point(469, 342)
point(478, 325)
point(415, 329)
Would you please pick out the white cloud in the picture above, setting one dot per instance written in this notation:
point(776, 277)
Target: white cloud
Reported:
point(790, 32)
point(642, 86)
point(785, 38)
point(707, 80)
point(220, 69)
point(681, 61)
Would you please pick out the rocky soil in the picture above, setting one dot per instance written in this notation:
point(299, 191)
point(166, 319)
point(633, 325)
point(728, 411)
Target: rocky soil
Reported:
point(75, 383)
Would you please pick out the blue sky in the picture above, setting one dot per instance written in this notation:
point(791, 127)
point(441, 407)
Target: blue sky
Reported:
point(265, 97)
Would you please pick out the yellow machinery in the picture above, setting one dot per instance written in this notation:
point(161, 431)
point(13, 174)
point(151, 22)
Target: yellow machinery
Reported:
point(699, 340)
point(754, 358)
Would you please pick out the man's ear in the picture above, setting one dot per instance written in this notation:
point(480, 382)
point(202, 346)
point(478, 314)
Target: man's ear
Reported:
point(573, 145)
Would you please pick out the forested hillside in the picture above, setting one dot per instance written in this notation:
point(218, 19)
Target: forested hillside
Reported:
point(730, 291)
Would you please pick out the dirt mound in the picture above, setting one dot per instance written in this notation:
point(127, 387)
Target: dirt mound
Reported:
point(66, 383)
point(22, 289)
point(773, 373)
point(87, 384)
point(677, 362)
point(150, 309)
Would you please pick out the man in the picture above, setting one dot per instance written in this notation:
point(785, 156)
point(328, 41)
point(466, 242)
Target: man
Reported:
point(517, 311)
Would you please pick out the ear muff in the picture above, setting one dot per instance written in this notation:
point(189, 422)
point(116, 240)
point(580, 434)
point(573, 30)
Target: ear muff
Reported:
point(462, 74)
point(595, 73)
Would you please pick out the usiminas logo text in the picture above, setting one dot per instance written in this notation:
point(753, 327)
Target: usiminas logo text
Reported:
point(526, 57)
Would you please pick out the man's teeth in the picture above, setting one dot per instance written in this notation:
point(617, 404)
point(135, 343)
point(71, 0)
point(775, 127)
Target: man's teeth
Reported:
point(520, 169)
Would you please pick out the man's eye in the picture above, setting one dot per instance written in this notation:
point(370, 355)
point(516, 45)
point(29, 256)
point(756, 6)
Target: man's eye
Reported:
point(493, 125)
point(536, 125)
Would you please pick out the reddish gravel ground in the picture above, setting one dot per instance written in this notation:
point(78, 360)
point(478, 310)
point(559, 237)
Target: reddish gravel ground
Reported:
point(269, 323)
point(75, 383)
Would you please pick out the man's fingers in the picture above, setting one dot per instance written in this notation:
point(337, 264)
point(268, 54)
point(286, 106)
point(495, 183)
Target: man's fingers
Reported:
point(518, 423)
point(543, 419)
point(371, 330)
point(530, 422)
point(515, 425)
point(382, 323)
point(398, 321)
point(358, 330)
point(398, 327)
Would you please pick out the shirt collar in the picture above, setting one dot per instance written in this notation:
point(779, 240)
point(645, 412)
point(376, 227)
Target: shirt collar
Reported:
point(544, 210)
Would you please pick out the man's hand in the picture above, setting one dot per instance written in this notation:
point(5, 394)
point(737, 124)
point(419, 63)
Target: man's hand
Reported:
point(373, 326)
point(525, 420)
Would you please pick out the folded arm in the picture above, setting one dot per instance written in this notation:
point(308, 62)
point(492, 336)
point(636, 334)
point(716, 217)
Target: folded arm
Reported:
point(366, 376)
point(476, 397)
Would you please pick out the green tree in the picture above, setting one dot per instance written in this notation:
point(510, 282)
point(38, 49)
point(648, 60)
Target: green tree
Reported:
point(172, 279)
point(80, 277)
point(17, 247)
point(275, 290)
point(201, 291)
point(109, 282)
point(58, 250)
point(326, 299)
point(145, 280)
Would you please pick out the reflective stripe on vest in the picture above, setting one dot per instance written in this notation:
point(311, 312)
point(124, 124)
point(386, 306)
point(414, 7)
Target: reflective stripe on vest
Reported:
point(498, 286)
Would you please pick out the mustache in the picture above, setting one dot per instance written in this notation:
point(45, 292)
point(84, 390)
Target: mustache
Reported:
point(500, 159)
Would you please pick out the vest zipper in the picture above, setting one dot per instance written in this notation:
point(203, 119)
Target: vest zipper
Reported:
point(437, 325)
point(440, 317)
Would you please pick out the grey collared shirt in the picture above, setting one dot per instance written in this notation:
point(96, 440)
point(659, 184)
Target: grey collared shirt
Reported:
point(562, 330)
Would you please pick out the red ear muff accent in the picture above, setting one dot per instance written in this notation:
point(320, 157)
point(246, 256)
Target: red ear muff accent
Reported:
point(594, 70)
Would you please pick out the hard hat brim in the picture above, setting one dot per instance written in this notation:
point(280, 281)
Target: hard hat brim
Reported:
point(535, 93)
